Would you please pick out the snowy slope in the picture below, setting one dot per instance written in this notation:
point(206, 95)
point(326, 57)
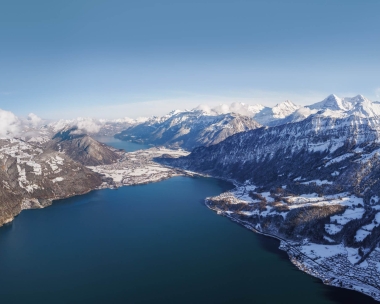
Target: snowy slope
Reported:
point(189, 129)
point(270, 116)
point(313, 183)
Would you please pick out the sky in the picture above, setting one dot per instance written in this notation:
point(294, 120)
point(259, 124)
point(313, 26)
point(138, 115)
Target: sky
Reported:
point(118, 58)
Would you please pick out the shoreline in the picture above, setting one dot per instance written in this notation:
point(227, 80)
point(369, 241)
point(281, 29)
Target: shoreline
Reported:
point(151, 171)
point(285, 245)
point(292, 252)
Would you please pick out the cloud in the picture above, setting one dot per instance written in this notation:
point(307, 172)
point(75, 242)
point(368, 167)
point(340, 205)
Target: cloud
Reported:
point(88, 125)
point(9, 124)
point(34, 120)
point(84, 125)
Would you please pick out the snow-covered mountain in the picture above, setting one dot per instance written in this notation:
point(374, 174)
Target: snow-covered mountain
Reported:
point(271, 116)
point(331, 106)
point(38, 166)
point(312, 182)
point(189, 129)
point(32, 176)
point(82, 148)
point(343, 107)
point(309, 177)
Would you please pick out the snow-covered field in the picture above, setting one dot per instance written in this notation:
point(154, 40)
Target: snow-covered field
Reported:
point(139, 168)
point(332, 262)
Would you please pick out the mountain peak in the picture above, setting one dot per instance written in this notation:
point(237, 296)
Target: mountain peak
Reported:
point(331, 102)
point(358, 99)
point(286, 104)
point(333, 96)
point(284, 109)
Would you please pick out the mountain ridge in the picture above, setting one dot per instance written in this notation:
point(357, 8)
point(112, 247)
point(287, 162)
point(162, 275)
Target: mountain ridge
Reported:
point(188, 129)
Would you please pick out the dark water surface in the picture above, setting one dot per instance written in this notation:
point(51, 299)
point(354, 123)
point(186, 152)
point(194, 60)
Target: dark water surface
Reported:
point(154, 243)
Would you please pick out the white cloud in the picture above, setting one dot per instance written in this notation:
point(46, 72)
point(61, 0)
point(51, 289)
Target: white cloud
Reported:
point(34, 120)
point(9, 124)
point(88, 125)
point(83, 124)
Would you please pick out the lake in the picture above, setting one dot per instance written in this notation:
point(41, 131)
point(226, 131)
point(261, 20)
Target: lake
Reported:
point(155, 243)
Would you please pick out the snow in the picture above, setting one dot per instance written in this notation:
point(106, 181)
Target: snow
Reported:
point(37, 169)
point(333, 106)
point(54, 162)
point(333, 229)
point(339, 159)
point(361, 234)
point(358, 150)
point(243, 193)
point(363, 264)
point(57, 179)
point(267, 196)
point(352, 255)
point(328, 239)
point(348, 215)
point(366, 230)
point(137, 167)
point(318, 182)
point(317, 251)
point(319, 147)
point(249, 213)
point(367, 157)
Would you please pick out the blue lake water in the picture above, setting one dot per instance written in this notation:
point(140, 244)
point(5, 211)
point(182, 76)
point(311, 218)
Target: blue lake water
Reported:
point(154, 243)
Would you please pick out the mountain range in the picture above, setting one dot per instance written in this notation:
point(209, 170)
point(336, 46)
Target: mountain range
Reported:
point(307, 175)
point(310, 182)
point(188, 129)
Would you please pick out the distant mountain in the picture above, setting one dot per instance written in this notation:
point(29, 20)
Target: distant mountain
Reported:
point(204, 126)
point(270, 116)
point(272, 155)
point(344, 107)
point(189, 129)
point(333, 106)
point(82, 148)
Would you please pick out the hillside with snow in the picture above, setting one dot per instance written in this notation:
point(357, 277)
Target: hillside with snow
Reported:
point(189, 128)
point(312, 182)
point(308, 176)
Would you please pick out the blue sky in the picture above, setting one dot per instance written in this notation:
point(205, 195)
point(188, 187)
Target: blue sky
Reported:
point(62, 59)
